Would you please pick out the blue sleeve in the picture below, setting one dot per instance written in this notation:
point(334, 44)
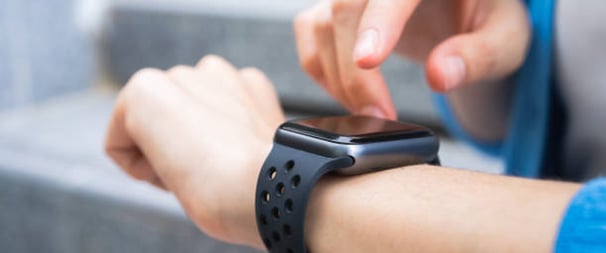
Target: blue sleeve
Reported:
point(583, 228)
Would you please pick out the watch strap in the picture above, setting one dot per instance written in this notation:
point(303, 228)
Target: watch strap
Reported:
point(283, 189)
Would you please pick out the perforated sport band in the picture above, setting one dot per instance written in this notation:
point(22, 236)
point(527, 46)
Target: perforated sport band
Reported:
point(283, 188)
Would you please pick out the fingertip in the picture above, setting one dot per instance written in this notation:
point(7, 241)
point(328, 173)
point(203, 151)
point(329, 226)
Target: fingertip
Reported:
point(371, 95)
point(367, 48)
point(392, 114)
point(432, 72)
point(380, 29)
point(389, 109)
point(445, 70)
point(453, 71)
point(368, 62)
point(434, 77)
point(378, 111)
point(372, 110)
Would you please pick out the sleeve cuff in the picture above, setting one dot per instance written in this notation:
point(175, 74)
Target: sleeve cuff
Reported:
point(583, 228)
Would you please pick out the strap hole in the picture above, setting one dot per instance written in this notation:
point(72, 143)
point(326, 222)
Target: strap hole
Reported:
point(286, 229)
point(280, 189)
point(272, 173)
point(294, 182)
point(275, 212)
point(263, 219)
point(276, 236)
point(289, 166)
point(288, 206)
point(265, 196)
point(267, 243)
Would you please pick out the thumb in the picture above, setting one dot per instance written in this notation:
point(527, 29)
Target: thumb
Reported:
point(490, 53)
point(380, 29)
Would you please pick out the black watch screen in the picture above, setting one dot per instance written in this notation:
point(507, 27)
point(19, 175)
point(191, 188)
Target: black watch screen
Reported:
point(355, 129)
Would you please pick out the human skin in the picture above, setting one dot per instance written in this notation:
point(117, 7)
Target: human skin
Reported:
point(203, 133)
point(468, 48)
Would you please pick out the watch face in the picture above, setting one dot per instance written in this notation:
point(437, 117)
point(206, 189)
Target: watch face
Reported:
point(355, 129)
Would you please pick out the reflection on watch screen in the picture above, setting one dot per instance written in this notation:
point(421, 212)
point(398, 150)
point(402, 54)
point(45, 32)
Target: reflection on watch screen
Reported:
point(357, 125)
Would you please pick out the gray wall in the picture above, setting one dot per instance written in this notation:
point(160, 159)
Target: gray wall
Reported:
point(42, 51)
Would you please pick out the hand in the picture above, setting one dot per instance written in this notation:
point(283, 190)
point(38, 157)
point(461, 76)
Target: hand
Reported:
point(341, 44)
point(201, 132)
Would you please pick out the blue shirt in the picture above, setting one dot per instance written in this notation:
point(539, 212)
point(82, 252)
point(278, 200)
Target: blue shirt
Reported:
point(583, 228)
point(527, 147)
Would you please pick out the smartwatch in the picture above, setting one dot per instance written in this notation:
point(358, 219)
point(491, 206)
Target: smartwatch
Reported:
point(305, 150)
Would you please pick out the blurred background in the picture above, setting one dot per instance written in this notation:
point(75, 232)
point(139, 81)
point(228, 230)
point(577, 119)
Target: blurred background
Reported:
point(63, 61)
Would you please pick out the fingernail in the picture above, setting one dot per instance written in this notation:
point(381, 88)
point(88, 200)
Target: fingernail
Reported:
point(367, 44)
point(371, 110)
point(454, 69)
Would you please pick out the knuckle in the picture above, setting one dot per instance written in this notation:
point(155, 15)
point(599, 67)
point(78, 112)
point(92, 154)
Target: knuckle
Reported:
point(323, 24)
point(180, 70)
point(310, 63)
point(351, 85)
point(139, 85)
point(251, 71)
point(138, 176)
point(212, 61)
point(145, 75)
point(131, 98)
point(110, 151)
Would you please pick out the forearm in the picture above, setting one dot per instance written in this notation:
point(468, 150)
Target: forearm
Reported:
point(433, 209)
point(483, 110)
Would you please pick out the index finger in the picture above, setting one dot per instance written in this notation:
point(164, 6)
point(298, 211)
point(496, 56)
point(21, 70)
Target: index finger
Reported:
point(380, 29)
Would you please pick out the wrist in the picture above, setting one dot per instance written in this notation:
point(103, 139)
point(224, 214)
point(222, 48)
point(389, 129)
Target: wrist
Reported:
point(425, 208)
point(241, 224)
point(223, 206)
